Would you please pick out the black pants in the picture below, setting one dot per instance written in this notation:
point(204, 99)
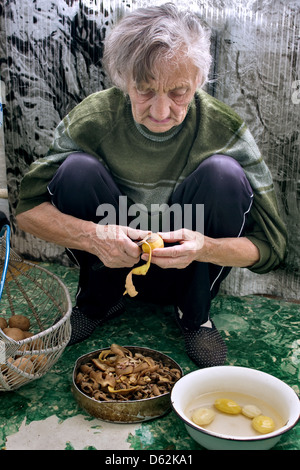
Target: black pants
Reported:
point(82, 184)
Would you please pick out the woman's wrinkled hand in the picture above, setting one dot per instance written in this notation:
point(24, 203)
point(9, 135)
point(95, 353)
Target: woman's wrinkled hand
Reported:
point(186, 249)
point(116, 247)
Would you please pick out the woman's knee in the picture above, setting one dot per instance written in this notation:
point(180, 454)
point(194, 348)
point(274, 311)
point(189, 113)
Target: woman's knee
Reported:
point(225, 176)
point(216, 177)
point(223, 170)
point(77, 169)
point(80, 184)
point(220, 185)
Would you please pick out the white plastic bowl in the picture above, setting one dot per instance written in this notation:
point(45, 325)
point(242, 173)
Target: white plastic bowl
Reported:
point(243, 380)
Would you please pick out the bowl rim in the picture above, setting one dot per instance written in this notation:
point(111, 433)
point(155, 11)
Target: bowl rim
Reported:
point(214, 434)
point(121, 402)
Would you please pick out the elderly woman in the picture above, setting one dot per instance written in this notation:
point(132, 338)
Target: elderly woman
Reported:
point(155, 141)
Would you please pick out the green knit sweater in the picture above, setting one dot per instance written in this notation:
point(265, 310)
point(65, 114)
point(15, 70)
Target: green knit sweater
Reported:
point(147, 167)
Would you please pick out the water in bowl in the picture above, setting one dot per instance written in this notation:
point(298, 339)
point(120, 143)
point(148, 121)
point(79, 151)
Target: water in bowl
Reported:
point(233, 425)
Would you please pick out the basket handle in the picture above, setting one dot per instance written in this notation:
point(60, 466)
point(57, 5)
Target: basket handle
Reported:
point(8, 346)
point(5, 232)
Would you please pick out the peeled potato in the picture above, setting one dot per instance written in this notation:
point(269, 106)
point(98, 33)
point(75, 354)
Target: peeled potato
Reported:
point(14, 333)
point(263, 424)
point(3, 323)
point(19, 321)
point(154, 241)
point(251, 411)
point(203, 416)
point(227, 406)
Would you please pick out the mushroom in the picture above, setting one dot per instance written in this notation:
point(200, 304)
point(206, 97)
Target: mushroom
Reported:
point(122, 391)
point(87, 387)
point(123, 368)
point(117, 374)
point(100, 395)
point(108, 381)
point(102, 365)
point(118, 350)
point(79, 378)
point(155, 390)
point(86, 368)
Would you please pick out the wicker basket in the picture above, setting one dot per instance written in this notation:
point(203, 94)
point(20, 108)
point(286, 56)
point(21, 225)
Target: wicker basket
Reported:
point(36, 293)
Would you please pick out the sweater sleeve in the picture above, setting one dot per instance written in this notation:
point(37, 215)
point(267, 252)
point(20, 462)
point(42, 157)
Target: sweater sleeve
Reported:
point(34, 185)
point(265, 227)
point(221, 130)
point(266, 230)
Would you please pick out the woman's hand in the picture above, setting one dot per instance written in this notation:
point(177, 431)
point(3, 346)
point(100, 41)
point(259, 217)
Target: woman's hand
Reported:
point(188, 249)
point(193, 246)
point(115, 245)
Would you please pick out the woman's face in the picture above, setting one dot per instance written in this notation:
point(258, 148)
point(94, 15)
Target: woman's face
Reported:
point(163, 102)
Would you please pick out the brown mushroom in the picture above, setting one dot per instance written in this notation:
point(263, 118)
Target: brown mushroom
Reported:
point(102, 366)
point(117, 374)
point(103, 379)
point(99, 395)
point(118, 350)
point(86, 368)
point(155, 390)
point(122, 391)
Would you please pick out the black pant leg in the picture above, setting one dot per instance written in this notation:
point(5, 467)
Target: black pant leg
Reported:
point(220, 184)
point(78, 188)
point(82, 184)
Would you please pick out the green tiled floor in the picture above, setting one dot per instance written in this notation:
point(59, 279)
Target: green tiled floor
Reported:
point(260, 332)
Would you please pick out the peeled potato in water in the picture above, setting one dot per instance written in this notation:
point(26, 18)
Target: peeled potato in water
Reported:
point(263, 424)
point(227, 406)
point(203, 416)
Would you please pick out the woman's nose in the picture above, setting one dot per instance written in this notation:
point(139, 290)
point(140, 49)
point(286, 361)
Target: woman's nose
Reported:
point(160, 108)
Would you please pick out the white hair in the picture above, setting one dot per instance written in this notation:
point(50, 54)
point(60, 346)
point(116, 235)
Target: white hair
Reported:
point(153, 36)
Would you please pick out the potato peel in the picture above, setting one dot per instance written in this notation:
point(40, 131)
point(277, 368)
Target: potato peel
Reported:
point(141, 270)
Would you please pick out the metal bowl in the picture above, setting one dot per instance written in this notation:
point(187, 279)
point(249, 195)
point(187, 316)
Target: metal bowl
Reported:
point(131, 411)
